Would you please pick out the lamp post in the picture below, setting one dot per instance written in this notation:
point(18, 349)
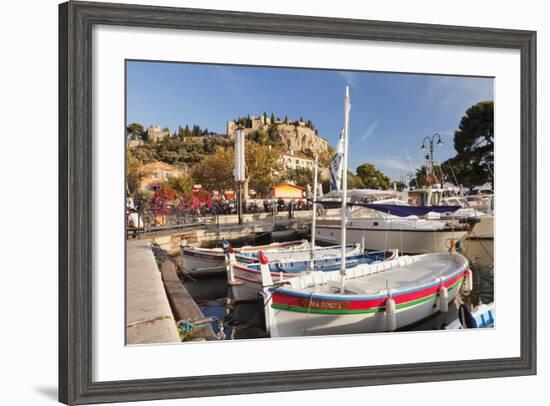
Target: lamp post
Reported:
point(239, 171)
point(430, 155)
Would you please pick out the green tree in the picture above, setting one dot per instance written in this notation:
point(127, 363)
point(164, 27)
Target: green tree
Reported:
point(400, 185)
point(355, 181)
point(326, 156)
point(182, 183)
point(196, 131)
point(422, 179)
point(474, 145)
point(262, 165)
point(135, 130)
point(274, 137)
point(272, 118)
point(372, 178)
point(215, 172)
point(300, 176)
point(134, 174)
point(260, 137)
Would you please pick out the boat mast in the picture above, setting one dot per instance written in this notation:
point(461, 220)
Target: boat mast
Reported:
point(347, 107)
point(314, 217)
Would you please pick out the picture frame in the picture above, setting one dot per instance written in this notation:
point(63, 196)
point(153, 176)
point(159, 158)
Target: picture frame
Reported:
point(76, 20)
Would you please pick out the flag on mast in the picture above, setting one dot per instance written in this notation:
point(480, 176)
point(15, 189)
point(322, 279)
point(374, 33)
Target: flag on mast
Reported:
point(336, 165)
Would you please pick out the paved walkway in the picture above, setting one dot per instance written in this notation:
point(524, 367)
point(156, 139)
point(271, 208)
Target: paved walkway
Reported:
point(149, 318)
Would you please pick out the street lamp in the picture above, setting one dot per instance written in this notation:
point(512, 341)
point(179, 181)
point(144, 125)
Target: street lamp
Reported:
point(430, 155)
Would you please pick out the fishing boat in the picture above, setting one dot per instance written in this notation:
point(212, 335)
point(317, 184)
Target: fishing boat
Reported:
point(482, 316)
point(246, 280)
point(204, 261)
point(375, 297)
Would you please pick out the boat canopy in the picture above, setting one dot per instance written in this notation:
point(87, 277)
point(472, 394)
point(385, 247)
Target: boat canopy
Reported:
point(404, 211)
point(396, 209)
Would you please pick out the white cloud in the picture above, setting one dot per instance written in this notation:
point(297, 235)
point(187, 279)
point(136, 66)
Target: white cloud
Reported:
point(369, 131)
point(399, 163)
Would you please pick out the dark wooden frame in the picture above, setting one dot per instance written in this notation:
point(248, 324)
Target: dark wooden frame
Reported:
point(75, 187)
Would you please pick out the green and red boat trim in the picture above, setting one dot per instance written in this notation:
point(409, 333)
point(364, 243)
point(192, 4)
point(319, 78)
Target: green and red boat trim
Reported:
point(285, 299)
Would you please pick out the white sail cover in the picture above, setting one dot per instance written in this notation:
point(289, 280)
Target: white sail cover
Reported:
point(336, 165)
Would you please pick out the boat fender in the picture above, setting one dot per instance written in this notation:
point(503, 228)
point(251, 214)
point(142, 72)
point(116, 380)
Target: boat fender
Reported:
point(391, 322)
point(443, 299)
point(264, 269)
point(468, 281)
point(183, 242)
point(230, 260)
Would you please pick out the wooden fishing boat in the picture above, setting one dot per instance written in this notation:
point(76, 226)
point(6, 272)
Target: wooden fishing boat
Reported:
point(246, 279)
point(376, 297)
point(200, 261)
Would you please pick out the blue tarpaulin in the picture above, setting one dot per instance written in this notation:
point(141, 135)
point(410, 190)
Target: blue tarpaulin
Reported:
point(404, 211)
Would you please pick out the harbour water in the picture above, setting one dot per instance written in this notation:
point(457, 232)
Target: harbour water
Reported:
point(246, 319)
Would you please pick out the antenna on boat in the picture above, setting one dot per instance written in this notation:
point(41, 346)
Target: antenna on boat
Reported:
point(347, 108)
point(314, 217)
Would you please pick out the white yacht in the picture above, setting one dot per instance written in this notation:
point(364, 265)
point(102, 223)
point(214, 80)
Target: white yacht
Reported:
point(475, 210)
point(382, 219)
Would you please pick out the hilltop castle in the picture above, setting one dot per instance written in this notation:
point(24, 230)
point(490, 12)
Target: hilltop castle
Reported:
point(295, 135)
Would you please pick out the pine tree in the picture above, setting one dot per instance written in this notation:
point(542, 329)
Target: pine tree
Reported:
point(186, 131)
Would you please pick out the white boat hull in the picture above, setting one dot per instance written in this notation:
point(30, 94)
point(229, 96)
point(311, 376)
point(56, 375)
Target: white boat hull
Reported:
point(484, 229)
point(204, 263)
point(294, 324)
point(407, 241)
point(378, 297)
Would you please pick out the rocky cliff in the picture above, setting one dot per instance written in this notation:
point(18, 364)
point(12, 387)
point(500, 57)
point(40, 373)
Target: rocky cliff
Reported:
point(295, 136)
point(301, 138)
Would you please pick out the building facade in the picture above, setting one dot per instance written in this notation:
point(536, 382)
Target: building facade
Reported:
point(287, 191)
point(158, 173)
point(296, 160)
point(156, 134)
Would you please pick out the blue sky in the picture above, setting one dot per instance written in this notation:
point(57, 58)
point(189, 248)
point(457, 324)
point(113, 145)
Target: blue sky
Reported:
point(391, 112)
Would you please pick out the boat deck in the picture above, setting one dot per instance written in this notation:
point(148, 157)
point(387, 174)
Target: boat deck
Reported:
point(401, 274)
point(400, 278)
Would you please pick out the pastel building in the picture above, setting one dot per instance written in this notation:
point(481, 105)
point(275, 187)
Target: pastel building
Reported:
point(158, 173)
point(287, 191)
